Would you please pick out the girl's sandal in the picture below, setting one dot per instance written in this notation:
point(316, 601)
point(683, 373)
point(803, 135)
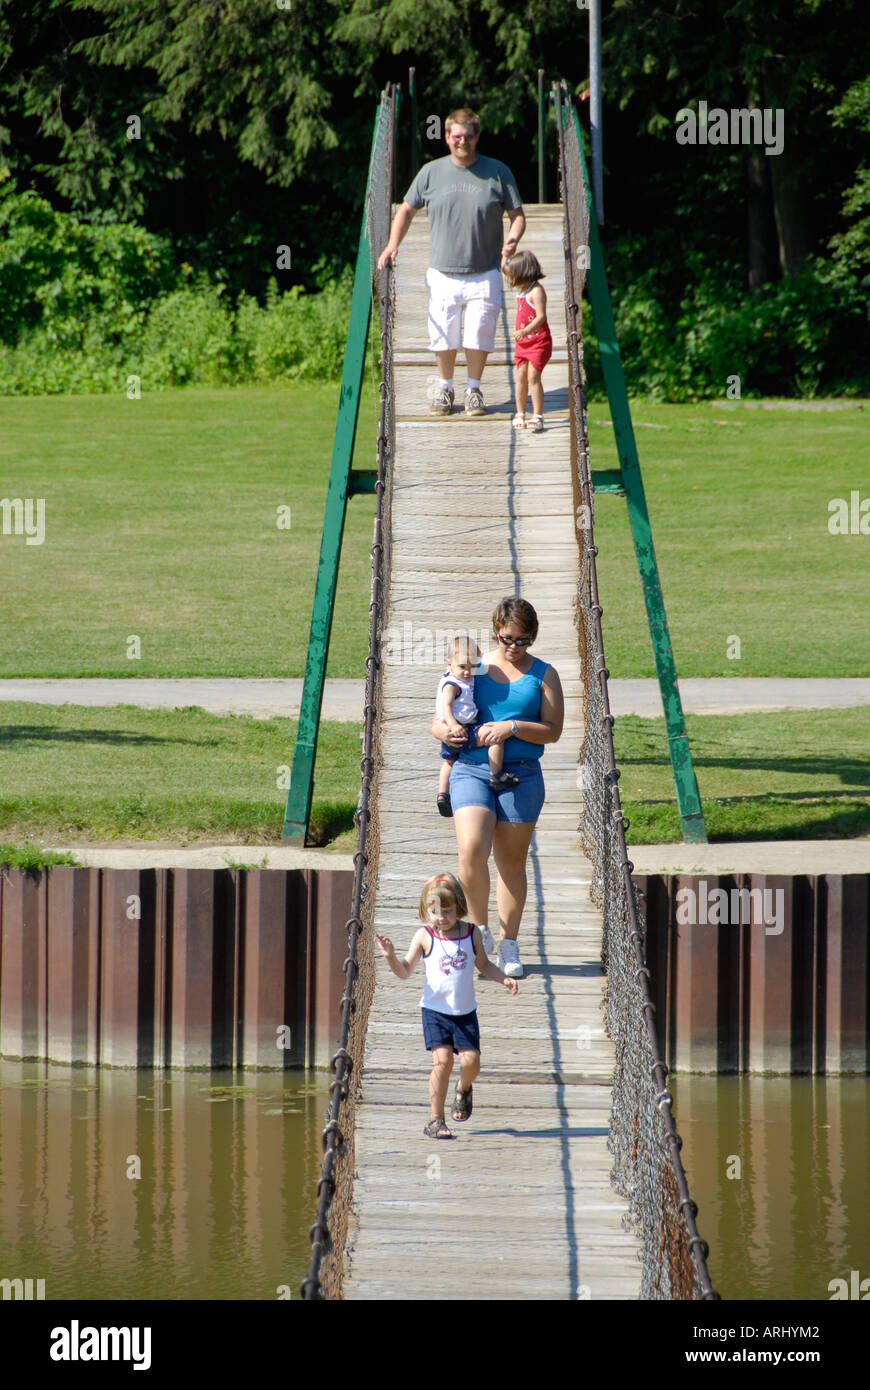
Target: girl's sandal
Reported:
point(536, 424)
point(462, 1104)
point(519, 421)
point(437, 1129)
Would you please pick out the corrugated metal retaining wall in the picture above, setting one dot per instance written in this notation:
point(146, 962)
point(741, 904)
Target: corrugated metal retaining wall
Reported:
point(760, 984)
point(172, 967)
point(243, 968)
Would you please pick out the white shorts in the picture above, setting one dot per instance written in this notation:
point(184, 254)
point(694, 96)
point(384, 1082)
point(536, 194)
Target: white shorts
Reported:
point(479, 295)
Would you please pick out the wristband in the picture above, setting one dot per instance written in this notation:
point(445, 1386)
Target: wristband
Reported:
point(514, 728)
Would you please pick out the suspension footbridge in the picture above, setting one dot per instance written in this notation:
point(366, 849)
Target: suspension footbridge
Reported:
point(566, 1181)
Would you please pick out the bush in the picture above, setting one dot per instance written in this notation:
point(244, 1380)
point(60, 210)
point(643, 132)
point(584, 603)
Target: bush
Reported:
point(682, 336)
point(68, 278)
point(189, 338)
point(296, 335)
point(83, 307)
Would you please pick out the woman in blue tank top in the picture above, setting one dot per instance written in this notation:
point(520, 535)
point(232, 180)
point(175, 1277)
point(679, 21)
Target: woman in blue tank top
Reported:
point(519, 699)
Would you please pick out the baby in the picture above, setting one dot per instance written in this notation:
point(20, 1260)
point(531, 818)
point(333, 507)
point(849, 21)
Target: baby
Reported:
point(454, 703)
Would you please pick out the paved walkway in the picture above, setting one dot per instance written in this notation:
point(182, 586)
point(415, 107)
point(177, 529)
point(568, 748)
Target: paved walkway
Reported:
point(740, 695)
point(811, 857)
point(173, 856)
point(343, 699)
point(264, 699)
point(744, 856)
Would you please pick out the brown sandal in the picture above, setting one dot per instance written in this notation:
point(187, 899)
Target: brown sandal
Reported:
point(504, 782)
point(437, 1129)
point(462, 1104)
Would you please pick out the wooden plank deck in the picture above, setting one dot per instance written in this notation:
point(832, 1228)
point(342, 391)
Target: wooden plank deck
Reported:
point(520, 1204)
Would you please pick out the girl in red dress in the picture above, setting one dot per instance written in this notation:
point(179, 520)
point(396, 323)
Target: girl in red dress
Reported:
point(534, 342)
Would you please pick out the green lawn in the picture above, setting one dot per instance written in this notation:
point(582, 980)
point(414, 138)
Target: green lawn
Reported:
point(791, 774)
point(738, 498)
point(77, 775)
point(84, 775)
point(161, 523)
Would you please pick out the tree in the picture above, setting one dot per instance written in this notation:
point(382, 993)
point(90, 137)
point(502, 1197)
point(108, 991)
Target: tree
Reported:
point(851, 247)
point(789, 55)
point(255, 120)
point(232, 127)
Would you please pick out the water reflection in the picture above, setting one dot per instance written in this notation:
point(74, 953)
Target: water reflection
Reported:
point(797, 1215)
point(221, 1208)
point(228, 1174)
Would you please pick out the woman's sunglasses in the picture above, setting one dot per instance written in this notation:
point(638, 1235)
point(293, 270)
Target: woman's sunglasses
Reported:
point(515, 641)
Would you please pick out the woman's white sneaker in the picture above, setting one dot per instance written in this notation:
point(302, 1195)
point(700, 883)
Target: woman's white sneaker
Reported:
point(486, 938)
point(509, 962)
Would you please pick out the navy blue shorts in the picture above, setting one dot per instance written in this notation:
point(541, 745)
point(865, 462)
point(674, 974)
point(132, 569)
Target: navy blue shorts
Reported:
point(461, 1031)
point(450, 754)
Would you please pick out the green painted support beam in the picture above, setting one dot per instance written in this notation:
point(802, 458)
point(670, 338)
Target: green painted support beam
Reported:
point(362, 480)
point(341, 484)
point(607, 480)
point(685, 782)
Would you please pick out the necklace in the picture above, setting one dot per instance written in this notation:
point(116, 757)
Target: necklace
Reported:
point(452, 960)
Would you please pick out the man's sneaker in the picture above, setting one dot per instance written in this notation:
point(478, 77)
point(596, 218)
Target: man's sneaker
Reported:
point(509, 960)
point(442, 401)
point(486, 938)
point(474, 403)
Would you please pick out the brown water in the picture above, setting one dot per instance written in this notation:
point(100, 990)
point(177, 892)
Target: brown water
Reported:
point(795, 1215)
point(223, 1204)
point(229, 1163)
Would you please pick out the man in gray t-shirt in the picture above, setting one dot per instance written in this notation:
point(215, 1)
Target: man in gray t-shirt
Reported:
point(466, 196)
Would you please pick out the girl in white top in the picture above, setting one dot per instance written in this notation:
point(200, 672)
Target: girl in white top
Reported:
point(451, 949)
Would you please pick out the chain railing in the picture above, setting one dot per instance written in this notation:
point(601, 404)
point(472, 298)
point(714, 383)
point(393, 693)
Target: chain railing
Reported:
point(336, 1175)
point(643, 1136)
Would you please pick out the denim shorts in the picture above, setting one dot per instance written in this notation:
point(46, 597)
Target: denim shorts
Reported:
point(521, 805)
point(459, 1031)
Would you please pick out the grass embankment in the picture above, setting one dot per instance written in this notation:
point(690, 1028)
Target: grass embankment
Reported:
point(86, 775)
point(32, 857)
point(787, 775)
point(161, 523)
